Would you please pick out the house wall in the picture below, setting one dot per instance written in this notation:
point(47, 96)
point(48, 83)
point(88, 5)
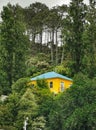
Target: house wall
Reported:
point(56, 84)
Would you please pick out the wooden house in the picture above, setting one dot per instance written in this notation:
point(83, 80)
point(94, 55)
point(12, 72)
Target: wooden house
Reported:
point(56, 82)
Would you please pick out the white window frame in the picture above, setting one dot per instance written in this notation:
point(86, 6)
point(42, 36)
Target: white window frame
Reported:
point(61, 86)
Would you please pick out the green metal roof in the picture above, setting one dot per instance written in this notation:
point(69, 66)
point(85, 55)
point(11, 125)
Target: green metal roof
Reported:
point(49, 75)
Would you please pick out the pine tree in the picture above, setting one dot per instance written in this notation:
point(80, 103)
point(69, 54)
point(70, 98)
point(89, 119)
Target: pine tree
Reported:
point(77, 18)
point(13, 45)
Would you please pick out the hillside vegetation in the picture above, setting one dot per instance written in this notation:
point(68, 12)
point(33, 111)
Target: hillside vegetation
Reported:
point(35, 40)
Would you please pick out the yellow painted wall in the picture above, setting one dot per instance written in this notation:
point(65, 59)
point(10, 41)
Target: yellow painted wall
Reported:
point(56, 84)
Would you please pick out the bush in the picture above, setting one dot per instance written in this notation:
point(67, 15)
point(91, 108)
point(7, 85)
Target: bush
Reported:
point(7, 128)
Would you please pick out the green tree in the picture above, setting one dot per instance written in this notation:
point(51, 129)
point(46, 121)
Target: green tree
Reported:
point(39, 123)
point(34, 17)
point(75, 31)
point(13, 46)
point(20, 86)
point(27, 108)
point(44, 99)
point(8, 111)
point(76, 106)
point(52, 22)
point(89, 60)
point(37, 64)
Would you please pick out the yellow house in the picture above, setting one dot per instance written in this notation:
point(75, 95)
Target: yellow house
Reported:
point(56, 82)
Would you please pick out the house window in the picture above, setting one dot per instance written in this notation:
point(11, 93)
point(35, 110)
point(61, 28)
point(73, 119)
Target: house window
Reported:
point(70, 85)
point(51, 84)
point(61, 86)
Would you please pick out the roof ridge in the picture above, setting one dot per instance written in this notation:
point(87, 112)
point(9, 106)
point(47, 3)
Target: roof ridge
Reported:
point(51, 74)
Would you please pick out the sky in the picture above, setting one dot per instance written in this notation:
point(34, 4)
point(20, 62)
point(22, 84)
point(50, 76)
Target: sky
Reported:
point(25, 3)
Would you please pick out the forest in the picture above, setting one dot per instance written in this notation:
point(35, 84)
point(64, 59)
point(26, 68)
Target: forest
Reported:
point(38, 39)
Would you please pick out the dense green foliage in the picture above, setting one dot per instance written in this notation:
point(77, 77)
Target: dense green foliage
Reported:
point(75, 109)
point(77, 14)
point(37, 39)
point(13, 46)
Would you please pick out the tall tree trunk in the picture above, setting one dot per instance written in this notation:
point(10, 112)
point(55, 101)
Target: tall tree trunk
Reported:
point(52, 43)
point(33, 42)
point(40, 36)
point(33, 37)
point(62, 56)
point(56, 49)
